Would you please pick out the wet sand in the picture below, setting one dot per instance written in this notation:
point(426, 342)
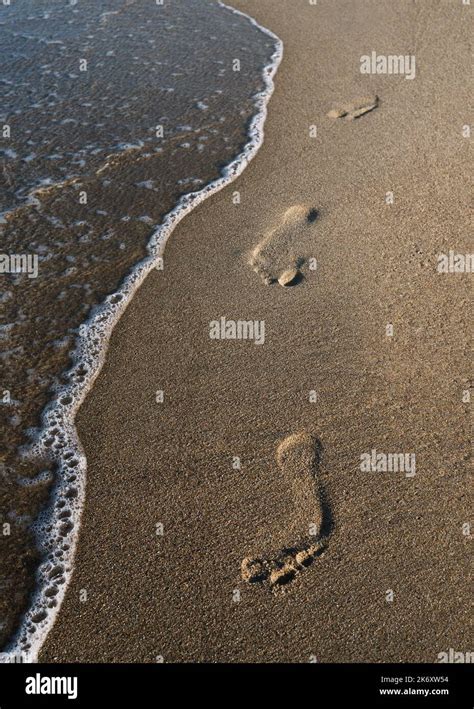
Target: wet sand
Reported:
point(169, 514)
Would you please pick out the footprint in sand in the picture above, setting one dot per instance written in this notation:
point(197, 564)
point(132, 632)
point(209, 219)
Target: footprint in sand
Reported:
point(355, 109)
point(298, 457)
point(277, 256)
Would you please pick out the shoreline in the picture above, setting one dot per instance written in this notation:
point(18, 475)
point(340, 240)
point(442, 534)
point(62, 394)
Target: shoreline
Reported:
point(60, 414)
point(171, 466)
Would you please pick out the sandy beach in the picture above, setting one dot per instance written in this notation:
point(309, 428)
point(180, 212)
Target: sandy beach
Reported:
point(203, 453)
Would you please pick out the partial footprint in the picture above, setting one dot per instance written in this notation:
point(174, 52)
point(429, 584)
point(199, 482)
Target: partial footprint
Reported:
point(279, 255)
point(355, 109)
point(298, 457)
point(282, 568)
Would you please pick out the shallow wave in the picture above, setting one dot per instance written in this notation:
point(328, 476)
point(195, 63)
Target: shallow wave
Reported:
point(57, 526)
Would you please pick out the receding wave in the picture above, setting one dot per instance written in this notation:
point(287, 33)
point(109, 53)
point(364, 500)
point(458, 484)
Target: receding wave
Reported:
point(117, 122)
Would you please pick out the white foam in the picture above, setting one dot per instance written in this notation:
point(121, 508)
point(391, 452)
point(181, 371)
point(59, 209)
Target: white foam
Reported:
point(58, 525)
point(9, 153)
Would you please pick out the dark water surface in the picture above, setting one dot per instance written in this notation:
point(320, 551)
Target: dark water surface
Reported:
point(109, 112)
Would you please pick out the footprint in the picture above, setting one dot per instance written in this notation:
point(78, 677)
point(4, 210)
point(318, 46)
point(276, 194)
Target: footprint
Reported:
point(355, 109)
point(278, 256)
point(297, 456)
point(282, 568)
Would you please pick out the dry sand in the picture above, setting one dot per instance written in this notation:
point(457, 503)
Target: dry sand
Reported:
point(171, 463)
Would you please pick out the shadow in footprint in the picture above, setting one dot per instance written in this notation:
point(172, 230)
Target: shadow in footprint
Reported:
point(297, 278)
point(298, 456)
point(327, 525)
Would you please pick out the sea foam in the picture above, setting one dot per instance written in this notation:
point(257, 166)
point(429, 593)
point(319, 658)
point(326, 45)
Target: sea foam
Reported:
point(57, 526)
